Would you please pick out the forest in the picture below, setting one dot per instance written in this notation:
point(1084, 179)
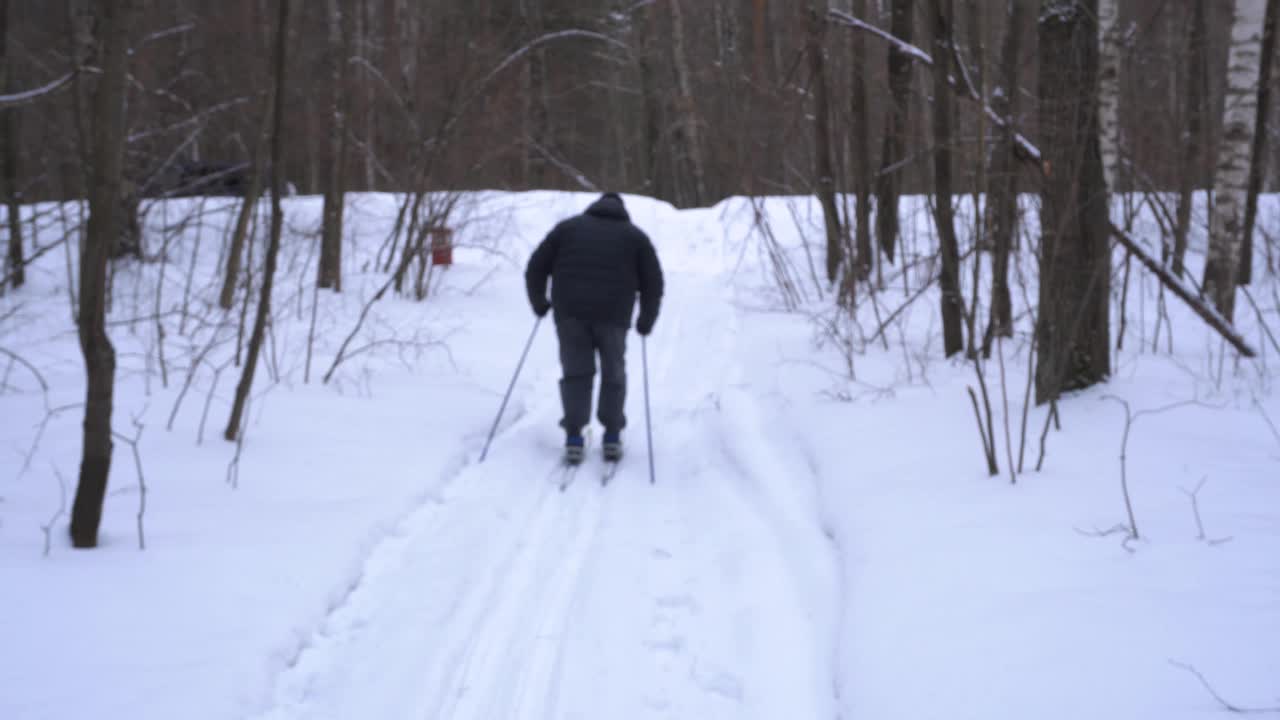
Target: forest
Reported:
point(909, 244)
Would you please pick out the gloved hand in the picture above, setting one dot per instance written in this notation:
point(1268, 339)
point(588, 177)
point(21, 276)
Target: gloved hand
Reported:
point(644, 324)
point(541, 308)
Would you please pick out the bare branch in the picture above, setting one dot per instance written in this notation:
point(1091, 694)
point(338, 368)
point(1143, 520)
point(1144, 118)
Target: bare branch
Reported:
point(1026, 149)
point(44, 386)
point(1229, 707)
point(1206, 312)
point(29, 96)
point(62, 510)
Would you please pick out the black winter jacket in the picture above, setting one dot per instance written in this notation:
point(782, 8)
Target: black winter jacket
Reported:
point(598, 261)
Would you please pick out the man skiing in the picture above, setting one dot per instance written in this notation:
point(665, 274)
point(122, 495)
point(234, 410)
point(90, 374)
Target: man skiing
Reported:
point(598, 261)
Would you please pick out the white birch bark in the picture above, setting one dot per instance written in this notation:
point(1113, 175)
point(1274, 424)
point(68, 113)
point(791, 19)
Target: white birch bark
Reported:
point(1230, 188)
point(1109, 51)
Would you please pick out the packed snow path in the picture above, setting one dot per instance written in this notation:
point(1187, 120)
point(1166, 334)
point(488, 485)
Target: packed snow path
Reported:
point(707, 595)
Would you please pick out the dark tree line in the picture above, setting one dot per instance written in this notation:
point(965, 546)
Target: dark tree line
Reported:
point(687, 101)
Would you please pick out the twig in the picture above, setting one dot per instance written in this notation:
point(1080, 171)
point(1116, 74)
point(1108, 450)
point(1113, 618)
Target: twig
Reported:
point(132, 442)
point(1195, 509)
point(1004, 394)
point(1263, 413)
point(62, 509)
point(1124, 477)
point(1229, 707)
point(35, 442)
point(982, 433)
point(44, 386)
point(1044, 433)
point(191, 373)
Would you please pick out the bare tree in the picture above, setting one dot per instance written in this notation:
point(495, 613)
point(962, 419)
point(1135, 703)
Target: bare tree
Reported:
point(1003, 202)
point(822, 138)
point(330, 271)
point(231, 271)
point(1258, 161)
point(1073, 324)
point(686, 107)
point(1231, 184)
point(860, 138)
point(888, 181)
point(277, 225)
point(1195, 94)
point(108, 146)
point(949, 247)
point(9, 159)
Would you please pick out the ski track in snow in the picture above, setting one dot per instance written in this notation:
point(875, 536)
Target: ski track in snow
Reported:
point(683, 599)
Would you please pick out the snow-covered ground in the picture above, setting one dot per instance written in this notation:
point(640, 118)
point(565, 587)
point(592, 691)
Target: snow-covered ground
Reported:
point(823, 539)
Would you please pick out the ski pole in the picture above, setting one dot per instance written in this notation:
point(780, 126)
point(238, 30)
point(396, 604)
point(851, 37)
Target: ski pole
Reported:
point(648, 423)
point(494, 430)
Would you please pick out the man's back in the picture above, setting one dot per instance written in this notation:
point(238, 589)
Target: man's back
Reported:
point(598, 261)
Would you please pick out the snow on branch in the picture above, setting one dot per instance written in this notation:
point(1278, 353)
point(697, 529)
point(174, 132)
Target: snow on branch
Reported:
point(1025, 148)
point(30, 96)
point(1206, 312)
point(903, 46)
point(543, 40)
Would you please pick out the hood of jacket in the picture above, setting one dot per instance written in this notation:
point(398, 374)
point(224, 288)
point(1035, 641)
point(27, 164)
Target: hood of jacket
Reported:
point(609, 206)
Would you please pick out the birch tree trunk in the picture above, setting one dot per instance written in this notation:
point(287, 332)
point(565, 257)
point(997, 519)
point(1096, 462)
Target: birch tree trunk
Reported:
point(1109, 57)
point(277, 225)
point(822, 140)
point(9, 161)
point(1073, 324)
point(1258, 162)
point(108, 145)
point(1230, 187)
point(888, 182)
point(330, 271)
point(952, 301)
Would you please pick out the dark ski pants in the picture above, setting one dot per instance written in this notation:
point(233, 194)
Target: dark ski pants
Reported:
point(579, 343)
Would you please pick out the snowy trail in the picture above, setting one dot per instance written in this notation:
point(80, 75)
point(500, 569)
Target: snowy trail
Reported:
point(704, 596)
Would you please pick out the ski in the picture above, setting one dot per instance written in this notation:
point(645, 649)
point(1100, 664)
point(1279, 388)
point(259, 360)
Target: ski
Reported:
point(610, 469)
point(568, 471)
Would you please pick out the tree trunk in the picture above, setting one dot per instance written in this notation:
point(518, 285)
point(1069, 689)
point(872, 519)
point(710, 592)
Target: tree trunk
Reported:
point(108, 137)
point(277, 225)
point(1231, 182)
point(1195, 95)
point(231, 274)
point(952, 302)
point(888, 182)
point(1109, 65)
point(538, 119)
point(652, 108)
point(9, 161)
point(330, 272)
point(1003, 205)
point(1073, 325)
point(1258, 162)
point(861, 138)
point(826, 184)
point(687, 107)
point(759, 31)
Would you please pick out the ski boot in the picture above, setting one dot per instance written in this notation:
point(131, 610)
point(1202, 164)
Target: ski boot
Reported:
point(574, 449)
point(612, 446)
